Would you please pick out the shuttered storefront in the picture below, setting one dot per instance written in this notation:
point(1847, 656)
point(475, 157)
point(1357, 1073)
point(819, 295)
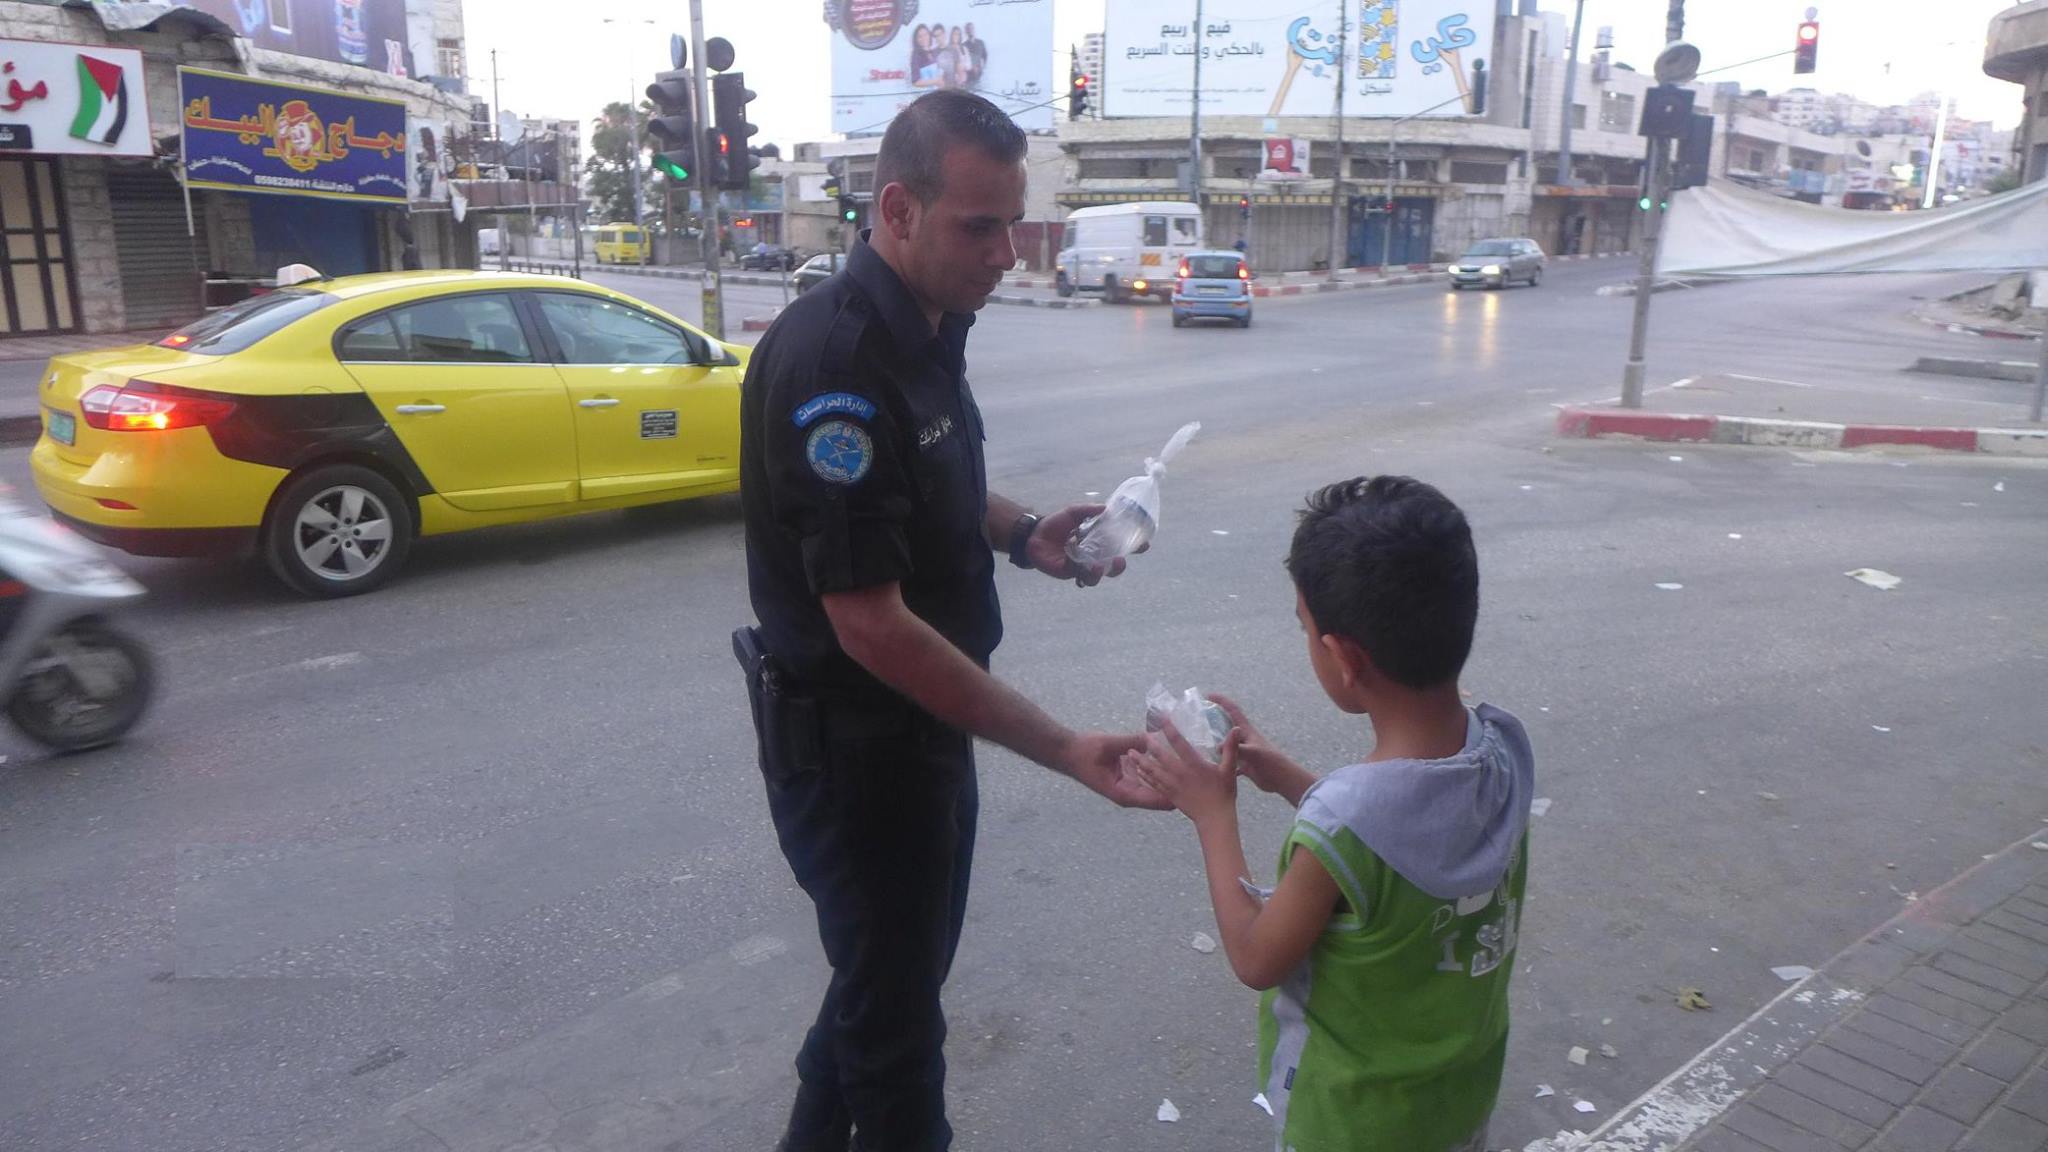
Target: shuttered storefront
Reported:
point(160, 280)
point(38, 287)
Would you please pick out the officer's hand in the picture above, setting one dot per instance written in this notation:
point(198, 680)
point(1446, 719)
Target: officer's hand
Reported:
point(1095, 759)
point(1048, 547)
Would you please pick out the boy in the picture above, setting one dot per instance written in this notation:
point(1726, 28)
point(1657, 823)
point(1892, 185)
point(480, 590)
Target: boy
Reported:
point(1385, 951)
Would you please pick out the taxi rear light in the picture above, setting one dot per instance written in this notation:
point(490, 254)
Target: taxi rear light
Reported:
point(140, 406)
point(116, 505)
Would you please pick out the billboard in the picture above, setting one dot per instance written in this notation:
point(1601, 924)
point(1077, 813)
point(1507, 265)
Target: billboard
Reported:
point(365, 33)
point(1285, 57)
point(886, 53)
point(72, 99)
point(248, 135)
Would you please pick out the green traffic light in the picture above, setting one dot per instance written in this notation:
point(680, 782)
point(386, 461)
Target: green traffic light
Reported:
point(670, 168)
point(1643, 204)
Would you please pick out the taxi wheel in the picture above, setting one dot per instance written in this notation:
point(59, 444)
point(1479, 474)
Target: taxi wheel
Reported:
point(341, 530)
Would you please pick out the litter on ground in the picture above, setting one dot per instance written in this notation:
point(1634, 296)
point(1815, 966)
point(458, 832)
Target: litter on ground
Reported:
point(1577, 1056)
point(1583, 1106)
point(1543, 1090)
point(1879, 728)
point(1168, 1114)
point(1792, 973)
point(1539, 806)
point(1263, 1103)
point(1203, 943)
point(1877, 578)
point(1671, 587)
point(1693, 1000)
point(1610, 1051)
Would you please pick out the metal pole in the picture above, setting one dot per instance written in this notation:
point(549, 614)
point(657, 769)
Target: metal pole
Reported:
point(1195, 122)
point(1934, 157)
point(498, 138)
point(1337, 206)
point(1387, 233)
point(2040, 371)
point(1646, 278)
point(1571, 85)
point(1674, 22)
point(714, 297)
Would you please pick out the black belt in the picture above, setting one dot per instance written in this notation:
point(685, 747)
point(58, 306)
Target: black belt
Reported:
point(830, 712)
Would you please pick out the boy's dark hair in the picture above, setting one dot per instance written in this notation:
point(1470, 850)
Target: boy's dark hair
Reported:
point(1387, 562)
point(914, 148)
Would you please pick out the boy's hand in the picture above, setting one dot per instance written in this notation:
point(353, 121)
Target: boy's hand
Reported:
point(1171, 767)
point(1097, 760)
point(1260, 762)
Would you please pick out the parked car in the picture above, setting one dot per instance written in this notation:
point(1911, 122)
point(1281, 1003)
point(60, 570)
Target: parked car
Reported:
point(1497, 264)
point(1212, 285)
point(1126, 250)
point(815, 271)
point(768, 258)
point(331, 423)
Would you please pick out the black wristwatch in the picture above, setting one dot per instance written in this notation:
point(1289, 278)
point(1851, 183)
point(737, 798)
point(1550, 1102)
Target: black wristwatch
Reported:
point(1020, 539)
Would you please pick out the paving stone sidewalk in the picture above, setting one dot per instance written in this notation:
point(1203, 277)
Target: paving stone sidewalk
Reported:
point(1928, 1035)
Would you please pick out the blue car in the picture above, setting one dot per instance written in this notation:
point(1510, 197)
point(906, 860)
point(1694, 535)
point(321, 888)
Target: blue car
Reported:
point(1213, 286)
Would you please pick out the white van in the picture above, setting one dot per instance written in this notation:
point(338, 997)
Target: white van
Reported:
point(1125, 250)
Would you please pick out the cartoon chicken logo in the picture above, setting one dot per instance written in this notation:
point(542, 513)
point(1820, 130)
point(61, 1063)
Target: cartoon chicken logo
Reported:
point(295, 138)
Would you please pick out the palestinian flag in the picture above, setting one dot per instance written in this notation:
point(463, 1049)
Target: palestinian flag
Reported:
point(102, 101)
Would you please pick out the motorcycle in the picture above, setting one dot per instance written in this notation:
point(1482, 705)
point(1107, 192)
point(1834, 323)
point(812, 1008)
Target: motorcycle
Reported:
point(70, 678)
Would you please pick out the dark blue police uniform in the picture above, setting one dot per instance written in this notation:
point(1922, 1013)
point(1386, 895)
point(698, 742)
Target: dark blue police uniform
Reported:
point(860, 465)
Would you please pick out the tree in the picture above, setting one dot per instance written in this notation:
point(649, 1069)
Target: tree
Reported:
point(611, 163)
point(2006, 180)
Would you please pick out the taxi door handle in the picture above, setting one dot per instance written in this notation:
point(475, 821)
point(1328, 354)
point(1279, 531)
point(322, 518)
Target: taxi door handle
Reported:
point(420, 409)
point(601, 402)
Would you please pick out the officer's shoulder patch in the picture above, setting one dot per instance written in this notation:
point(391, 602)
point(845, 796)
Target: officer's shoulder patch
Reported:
point(832, 404)
point(839, 452)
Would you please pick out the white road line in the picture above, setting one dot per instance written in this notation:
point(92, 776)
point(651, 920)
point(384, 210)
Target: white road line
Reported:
point(1766, 380)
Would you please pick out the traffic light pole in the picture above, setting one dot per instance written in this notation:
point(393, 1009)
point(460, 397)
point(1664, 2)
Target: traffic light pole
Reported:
point(1393, 138)
point(714, 296)
point(1656, 165)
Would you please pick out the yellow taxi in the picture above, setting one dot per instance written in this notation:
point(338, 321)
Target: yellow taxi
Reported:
point(331, 423)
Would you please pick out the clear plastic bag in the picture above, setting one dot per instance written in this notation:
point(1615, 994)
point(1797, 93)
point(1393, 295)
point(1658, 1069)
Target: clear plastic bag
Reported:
point(1199, 720)
point(1132, 512)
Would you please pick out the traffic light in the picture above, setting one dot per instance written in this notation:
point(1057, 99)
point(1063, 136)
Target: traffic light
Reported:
point(729, 99)
point(1695, 152)
point(849, 209)
point(1077, 94)
point(714, 166)
point(1479, 88)
point(672, 127)
point(1807, 47)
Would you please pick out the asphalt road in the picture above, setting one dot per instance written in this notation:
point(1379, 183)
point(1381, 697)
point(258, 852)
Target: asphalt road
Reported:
point(482, 859)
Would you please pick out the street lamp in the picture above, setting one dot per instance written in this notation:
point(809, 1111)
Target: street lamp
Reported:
point(1393, 135)
point(633, 124)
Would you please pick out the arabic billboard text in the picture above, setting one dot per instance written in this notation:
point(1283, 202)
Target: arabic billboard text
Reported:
point(1284, 57)
point(886, 53)
point(253, 136)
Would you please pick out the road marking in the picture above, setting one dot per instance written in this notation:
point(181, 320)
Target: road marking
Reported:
point(1685, 383)
point(1766, 380)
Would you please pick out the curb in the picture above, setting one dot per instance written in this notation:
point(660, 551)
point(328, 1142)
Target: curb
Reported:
point(2018, 370)
point(1686, 1102)
point(1975, 329)
point(1342, 285)
point(1590, 423)
point(1660, 286)
point(20, 431)
point(756, 323)
point(1042, 302)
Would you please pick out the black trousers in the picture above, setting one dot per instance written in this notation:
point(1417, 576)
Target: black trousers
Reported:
point(879, 830)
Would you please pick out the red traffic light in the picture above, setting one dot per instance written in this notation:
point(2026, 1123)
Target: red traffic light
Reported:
point(1809, 32)
point(1244, 201)
point(1081, 81)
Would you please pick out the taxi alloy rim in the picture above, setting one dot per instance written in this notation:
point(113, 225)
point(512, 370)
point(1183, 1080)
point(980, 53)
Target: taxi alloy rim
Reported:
point(343, 533)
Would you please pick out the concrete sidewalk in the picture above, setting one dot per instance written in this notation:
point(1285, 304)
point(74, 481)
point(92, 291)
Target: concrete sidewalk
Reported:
point(1988, 417)
point(1929, 1034)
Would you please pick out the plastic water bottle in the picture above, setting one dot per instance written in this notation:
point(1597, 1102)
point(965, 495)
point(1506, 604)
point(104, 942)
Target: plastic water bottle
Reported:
point(1131, 515)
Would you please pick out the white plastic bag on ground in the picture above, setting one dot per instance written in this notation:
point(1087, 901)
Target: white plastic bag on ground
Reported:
point(1200, 722)
point(1132, 515)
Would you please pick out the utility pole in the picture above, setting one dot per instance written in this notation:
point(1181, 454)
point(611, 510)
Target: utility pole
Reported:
point(1195, 122)
point(1337, 205)
point(1654, 165)
point(498, 140)
point(1934, 155)
point(1674, 22)
point(1571, 85)
point(714, 297)
point(1393, 135)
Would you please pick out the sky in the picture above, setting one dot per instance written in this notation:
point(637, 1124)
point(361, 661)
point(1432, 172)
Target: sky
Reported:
point(573, 62)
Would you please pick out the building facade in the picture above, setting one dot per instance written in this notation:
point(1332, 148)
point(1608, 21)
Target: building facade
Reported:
point(114, 236)
point(2016, 49)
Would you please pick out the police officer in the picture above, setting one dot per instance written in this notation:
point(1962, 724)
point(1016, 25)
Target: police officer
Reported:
point(872, 541)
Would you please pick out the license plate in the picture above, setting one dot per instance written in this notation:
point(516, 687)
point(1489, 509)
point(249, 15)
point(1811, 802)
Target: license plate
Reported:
point(63, 427)
point(1213, 291)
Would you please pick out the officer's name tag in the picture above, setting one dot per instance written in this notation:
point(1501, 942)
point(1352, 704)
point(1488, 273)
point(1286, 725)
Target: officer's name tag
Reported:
point(832, 404)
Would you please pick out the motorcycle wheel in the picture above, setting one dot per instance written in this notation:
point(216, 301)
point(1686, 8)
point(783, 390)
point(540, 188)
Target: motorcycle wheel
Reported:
point(84, 687)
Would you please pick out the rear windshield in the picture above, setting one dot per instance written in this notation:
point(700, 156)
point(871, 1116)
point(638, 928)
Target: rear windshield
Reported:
point(1213, 267)
point(1493, 248)
point(239, 325)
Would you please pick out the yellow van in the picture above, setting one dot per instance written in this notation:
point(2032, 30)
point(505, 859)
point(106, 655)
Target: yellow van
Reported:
point(623, 244)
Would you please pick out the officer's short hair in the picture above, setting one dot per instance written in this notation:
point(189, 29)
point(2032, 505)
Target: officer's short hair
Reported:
point(914, 148)
point(1388, 563)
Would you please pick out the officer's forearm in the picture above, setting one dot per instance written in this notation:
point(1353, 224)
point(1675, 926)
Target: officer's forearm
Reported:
point(884, 636)
point(1002, 520)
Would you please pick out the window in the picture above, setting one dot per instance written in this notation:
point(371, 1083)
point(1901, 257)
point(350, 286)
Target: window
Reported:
point(1155, 231)
point(1213, 267)
point(239, 325)
point(372, 340)
point(1578, 117)
point(478, 329)
point(448, 58)
point(1467, 172)
point(281, 17)
point(1184, 230)
point(1617, 112)
point(595, 330)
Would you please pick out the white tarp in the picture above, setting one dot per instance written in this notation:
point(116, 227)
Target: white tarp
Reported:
point(1725, 229)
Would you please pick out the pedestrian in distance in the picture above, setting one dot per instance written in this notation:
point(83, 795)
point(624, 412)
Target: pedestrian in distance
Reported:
point(872, 542)
point(1384, 951)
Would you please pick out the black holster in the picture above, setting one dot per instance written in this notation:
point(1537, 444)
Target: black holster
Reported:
point(786, 727)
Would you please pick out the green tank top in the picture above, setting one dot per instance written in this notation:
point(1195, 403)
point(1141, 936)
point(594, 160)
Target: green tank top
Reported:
point(1390, 1037)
